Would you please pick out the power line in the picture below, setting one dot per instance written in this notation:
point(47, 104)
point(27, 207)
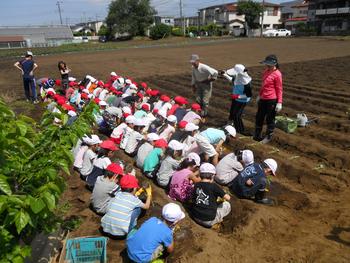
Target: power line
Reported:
point(59, 10)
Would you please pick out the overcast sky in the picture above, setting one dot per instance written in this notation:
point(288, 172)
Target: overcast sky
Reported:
point(45, 12)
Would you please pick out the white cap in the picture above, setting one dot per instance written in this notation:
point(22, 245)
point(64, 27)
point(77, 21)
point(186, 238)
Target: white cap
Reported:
point(102, 103)
point(162, 113)
point(113, 74)
point(152, 137)
point(194, 58)
point(121, 81)
point(94, 139)
point(72, 113)
point(172, 213)
point(126, 109)
point(91, 96)
point(124, 95)
point(207, 168)
point(237, 69)
point(176, 145)
point(133, 86)
point(114, 111)
point(272, 164)
point(191, 127)
point(172, 118)
point(128, 81)
point(140, 122)
point(130, 119)
point(195, 157)
point(86, 91)
point(29, 53)
point(247, 157)
point(51, 89)
point(72, 79)
point(231, 130)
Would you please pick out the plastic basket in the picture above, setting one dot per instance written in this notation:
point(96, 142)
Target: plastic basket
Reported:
point(286, 124)
point(87, 249)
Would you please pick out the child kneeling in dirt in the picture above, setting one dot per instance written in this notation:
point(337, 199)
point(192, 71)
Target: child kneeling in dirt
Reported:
point(125, 208)
point(251, 183)
point(152, 161)
point(105, 188)
point(154, 239)
point(205, 209)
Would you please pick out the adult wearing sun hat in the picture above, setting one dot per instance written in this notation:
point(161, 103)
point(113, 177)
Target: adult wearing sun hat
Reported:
point(252, 182)
point(202, 79)
point(125, 208)
point(269, 99)
point(155, 235)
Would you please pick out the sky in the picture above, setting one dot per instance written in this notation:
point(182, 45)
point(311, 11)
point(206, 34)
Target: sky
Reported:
point(45, 12)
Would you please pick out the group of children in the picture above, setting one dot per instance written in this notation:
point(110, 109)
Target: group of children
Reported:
point(166, 139)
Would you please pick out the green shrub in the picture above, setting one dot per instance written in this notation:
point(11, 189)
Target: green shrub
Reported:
point(177, 31)
point(160, 31)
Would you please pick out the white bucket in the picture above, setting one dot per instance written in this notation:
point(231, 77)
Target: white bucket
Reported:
point(302, 119)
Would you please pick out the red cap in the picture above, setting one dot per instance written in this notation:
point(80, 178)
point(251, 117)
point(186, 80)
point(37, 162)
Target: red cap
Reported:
point(144, 85)
point(129, 181)
point(100, 83)
point(125, 115)
point(119, 92)
point(50, 94)
point(145, 107)
point(84, 96)
point(68, 107)
point(73, 84)
point(165, 98)
point(155, 93)
point(106, 86)
point(115, 168)
point(196, 107)
point(97, 100)
point(58, 82)
point(61, 101)
point(180, 100)
point(161, 143)
point(155, 111)
point(182, 124)
point(109, 145)
point(140, 95)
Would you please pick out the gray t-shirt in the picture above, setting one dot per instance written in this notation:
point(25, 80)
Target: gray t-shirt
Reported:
point(88, 158)
point(166, 170)
point(133, 141)
point(101, 195)
point(227, 169)
point(142, 153)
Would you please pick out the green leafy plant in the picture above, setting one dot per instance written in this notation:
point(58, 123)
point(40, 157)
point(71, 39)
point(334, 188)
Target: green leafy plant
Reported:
point(160, 31)
point(31, 158)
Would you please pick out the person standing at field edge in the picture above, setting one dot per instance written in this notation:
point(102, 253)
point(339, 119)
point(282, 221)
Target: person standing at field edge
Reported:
point(202, 82)
point(27, 66)
point(269, 99)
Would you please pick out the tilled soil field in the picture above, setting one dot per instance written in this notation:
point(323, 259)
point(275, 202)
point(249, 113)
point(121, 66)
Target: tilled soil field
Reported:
point(310, 221)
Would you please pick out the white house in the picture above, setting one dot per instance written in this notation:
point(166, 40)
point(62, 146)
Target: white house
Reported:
point(167, 20)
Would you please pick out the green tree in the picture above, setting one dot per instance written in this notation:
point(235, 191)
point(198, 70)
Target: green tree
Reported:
point(103, 31)
point(252, 10)
point(130, 16)
point(160, 31)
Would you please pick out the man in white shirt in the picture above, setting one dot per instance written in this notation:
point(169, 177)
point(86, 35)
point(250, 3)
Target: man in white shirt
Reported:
point(202, 78)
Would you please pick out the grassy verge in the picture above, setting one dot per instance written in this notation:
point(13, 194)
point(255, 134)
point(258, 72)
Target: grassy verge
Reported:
point(96, 46)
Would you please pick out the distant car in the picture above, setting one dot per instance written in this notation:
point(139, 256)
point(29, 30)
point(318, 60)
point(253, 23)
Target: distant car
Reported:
point(85, 39)
point(277, 33)
point(102, 39)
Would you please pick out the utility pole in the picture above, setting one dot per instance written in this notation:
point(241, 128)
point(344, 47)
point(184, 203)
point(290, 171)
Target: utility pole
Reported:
point(262, 18)
point(182, 18)
point(58, 3)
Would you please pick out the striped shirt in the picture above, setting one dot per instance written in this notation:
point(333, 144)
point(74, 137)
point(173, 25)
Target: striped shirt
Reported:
point(117, 219)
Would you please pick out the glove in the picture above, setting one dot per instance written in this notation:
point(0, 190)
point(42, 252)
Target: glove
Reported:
point(149, 190)
point(235, 96)
point(278, 107)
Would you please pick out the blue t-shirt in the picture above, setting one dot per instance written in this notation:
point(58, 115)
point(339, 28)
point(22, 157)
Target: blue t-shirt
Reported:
point(145, 241)
point(254, 172)
point(214, 135)
point(27, 66)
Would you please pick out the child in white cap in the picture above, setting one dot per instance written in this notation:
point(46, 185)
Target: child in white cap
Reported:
point(205, 209)
point(155, 236)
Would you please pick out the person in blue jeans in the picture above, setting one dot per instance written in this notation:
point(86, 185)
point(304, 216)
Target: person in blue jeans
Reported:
point(27, 66)
point(154, 239)
point(252, 182)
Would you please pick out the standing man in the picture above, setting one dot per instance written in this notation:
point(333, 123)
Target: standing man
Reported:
point(27, 66)
point(202, 78)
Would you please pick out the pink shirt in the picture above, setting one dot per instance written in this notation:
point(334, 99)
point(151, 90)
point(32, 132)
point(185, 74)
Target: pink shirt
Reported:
point(191, 117)
point(271, 87)
point(181, 188)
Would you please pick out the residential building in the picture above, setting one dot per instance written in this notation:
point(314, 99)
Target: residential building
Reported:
point(329, 16)
point(167, 20)
point(294, 13)
point(39, 36)
point(12, 42)
point(91, 27)
point(226, 15)
point(189, 21)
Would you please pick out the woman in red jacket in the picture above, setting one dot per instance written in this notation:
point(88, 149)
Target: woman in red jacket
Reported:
point(269, 99)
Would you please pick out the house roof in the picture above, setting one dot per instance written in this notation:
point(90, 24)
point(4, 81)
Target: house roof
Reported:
point(11, 39)
point(49, 32)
